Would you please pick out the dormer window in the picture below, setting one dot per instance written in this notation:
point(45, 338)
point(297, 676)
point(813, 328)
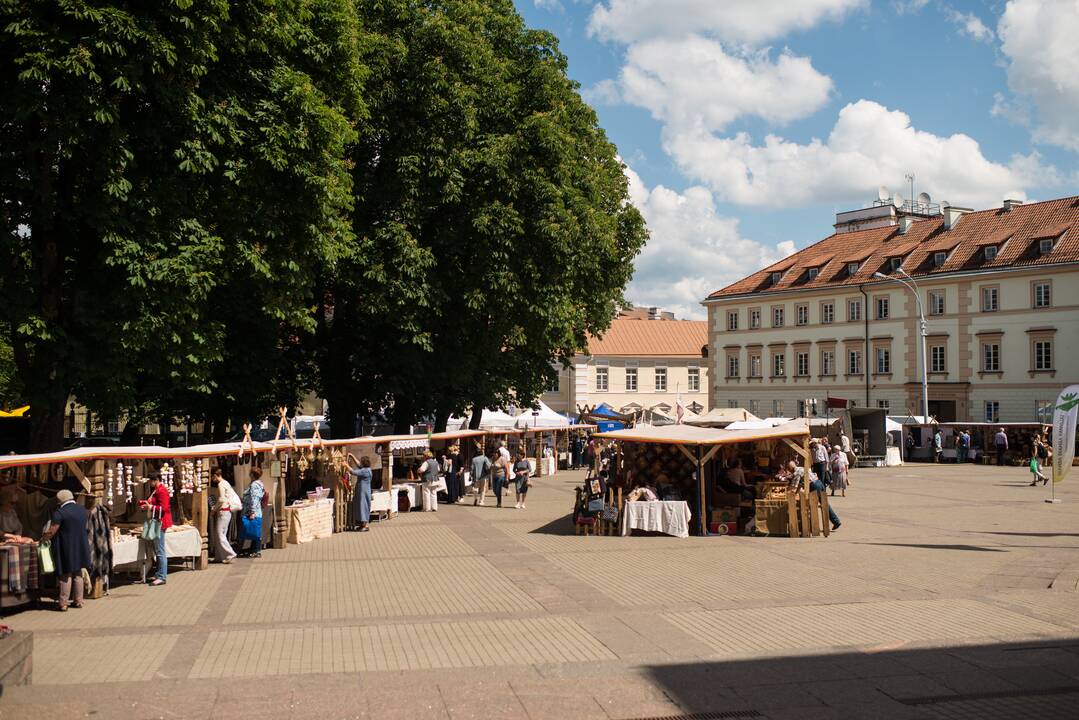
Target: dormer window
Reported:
point(939, 258)
point(852, 268)
point(812, 273)
point(894, 264)
point(776, 277)
point(990, 252)
point(1045, 246)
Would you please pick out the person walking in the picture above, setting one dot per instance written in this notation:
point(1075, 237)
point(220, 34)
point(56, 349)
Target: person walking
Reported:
point(1039, 456)
point(938, 444)
point(481, 470)
point(840, 467)
point(962, 446)
point(428, 472)
point(910, 446)
point(819, 453)
point(361, 497)
point(252, 515)
point(226, 502)
point(500, 475)
point(159, 507)
point(521, 472)
point(1000, 442)
point(71, 551)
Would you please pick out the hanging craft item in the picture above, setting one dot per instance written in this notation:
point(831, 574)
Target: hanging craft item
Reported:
point(128, 474)
point(167, 474)
point(247, 444)
point(108, 486)
point(337, 460)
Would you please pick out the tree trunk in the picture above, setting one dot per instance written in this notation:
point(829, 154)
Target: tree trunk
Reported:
point(477, 416)
point(441, 418)
point(404, 414)
point(221, 427)
point(342, 416)
point(47, 425)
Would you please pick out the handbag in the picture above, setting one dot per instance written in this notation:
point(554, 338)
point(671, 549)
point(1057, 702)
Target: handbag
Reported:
point(252, 528)
point(595, 505)
point(151, 529)
point(44, 553)
point(610, 512)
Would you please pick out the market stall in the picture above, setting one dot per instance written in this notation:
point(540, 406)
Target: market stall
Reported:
point(686, 468)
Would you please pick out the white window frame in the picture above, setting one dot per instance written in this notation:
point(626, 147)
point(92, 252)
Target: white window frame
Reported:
point(1043, 410)
point(940, 257)
point(661, 372)
point(732, 403)
point(827, 313)
point(755, 319)
point(733, 368)
point(1043, 355)
point(884, 404)
point(990, 351)
point(1045, 246)
point(693, 378)
point(779, 364)
point(1043, 294)
point(853, 268)
point(990, 298)
point(827, 362)
point(883, 360)
point(990, 252)
point(779, 316)
point(883, 306)
point(942, 366)
point(603, 378)
point(758, 361)
point(992, 411)
point(854, 362)
point(802, 359)
point(936, 297)
point(812, 273)
point(632, 378)
point(777, 408)
point(854, 310)
point(732, 320)
point(801, 314)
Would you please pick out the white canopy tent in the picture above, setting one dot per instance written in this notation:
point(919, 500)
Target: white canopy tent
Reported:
point(544, 417)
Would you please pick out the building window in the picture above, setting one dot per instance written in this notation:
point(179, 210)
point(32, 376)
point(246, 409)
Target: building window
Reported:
point(854, 310)
point(803, 364)
point(882, 308)
point(602, 379)
point(827, 362)
point(755, 366)
point(1043, 411)
point(1043, 355)
point(802, 408)
point(894, 264)
point(884, 404)
point(990, 252)
point(854, 362)
point(695, 379)
point(661, 379)
point(990, 357)
point(777, 317)
point(631, 379)
point(992, 411)
point(755, 407)
point(801, 314)
point(732, 366)
point(755, 318)
point(939, 258)
point(827, 313)
point(1045, 246)
point(732, 403)
point(990, 299)
point(1043, 294)
point(852, 268)
point(777, 408)
point(936, 302)
point(779, 365)
point(812, 273)
point(732, 320)
point(555, 383)
point(884, 361)
point(937, 362)
point(776, 277)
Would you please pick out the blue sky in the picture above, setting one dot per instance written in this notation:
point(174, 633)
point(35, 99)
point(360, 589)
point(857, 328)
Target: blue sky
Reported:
point(746, 124)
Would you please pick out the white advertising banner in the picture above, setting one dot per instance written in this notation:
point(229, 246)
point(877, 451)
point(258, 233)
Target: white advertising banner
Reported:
point(1064, 416)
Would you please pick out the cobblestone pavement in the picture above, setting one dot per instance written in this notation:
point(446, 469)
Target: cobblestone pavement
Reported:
point(948, 593)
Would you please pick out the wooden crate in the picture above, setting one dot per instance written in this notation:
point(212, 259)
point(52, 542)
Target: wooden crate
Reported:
point(772, 517)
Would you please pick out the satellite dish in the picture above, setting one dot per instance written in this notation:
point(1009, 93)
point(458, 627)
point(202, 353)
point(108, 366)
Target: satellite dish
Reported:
point(883, 193)
point(898, 200)
point(923, 198)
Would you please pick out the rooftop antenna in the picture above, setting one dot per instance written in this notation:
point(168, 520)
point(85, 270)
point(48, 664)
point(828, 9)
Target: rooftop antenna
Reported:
point(910, 179)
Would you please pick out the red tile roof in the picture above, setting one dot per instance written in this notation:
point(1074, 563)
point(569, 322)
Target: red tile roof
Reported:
point(632, 337)
point(1021, 227)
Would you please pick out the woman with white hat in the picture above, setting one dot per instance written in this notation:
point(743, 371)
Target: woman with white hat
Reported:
point(71, 551)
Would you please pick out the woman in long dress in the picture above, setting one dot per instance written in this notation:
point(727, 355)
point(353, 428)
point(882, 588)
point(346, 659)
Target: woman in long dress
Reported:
point(839, 470)
point(362, 493)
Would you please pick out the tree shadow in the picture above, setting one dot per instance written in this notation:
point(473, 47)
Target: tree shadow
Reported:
point(1026, 534)
point(558, 526)
point(925, 546)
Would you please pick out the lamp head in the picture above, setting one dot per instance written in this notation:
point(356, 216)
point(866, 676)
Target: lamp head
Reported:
point(880, 276)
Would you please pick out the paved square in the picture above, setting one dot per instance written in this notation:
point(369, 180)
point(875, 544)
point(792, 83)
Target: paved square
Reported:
point(947, 593)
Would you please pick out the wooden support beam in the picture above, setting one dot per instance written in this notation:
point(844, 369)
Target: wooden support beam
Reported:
point(813, 501)
point(826, 523)
point(803, 511)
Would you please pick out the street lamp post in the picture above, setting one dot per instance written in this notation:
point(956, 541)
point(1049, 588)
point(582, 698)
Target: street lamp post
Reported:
point(911, 285)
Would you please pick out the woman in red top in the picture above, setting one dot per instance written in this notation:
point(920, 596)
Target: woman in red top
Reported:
point(158, 507)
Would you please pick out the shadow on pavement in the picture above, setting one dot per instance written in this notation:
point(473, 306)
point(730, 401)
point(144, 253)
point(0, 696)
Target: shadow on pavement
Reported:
point(972, 548)
point(559, 526)
point(1026, 534)
point(1007, 680)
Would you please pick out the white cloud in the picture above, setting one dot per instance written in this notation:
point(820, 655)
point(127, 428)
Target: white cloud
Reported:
point(738, 21)
point(970, 24)
point(869, 145)
point(1038, 37)
point(692, 81)
point(692, 251)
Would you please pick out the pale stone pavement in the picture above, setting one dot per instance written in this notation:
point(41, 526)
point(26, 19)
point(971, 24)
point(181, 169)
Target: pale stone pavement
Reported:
point(948, 593)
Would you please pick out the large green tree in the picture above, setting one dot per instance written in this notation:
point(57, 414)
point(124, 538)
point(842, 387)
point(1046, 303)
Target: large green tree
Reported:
point(492, 211)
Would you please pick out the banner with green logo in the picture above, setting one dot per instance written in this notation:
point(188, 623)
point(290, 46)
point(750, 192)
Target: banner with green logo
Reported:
point(1064, 416)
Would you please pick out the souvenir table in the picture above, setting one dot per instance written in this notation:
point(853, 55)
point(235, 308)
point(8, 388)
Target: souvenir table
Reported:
point(18, 573)
point(666, 516)
point(181, 541)
point(384, 501)
point(309, 520)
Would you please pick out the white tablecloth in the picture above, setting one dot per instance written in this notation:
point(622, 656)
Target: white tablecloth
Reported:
point(184, 541)
point(665, 516)
point(312, 520)
point(384, 501)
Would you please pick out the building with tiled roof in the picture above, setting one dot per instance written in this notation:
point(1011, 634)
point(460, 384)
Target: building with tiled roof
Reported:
point(642, 362)
point(1000, 295)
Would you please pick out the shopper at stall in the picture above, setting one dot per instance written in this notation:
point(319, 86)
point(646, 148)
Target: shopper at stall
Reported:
point(451, 466)
point(521, 472)
point(158, 507)
point(938, 444)
point(361, 496)
point(500, 475)
point(910, 446)
point(226, 501)
point(428, 473)
point(1000, 442)
point(819, 453)
point(481, 471)
point(962, 446)
point(252, 515)
point(816, 486)
point(10, 525)
point(840, 467)
point(71, 551)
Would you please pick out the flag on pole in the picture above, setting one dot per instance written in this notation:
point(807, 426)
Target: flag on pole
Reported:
point(1064, 417)
point(679, 407)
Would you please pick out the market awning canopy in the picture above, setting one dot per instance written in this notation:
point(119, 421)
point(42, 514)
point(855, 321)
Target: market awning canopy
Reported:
point(543, 417)
point(718, 417)
point(691, 435)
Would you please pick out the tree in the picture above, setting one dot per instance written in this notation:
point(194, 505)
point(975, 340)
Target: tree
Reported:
point(495, 210)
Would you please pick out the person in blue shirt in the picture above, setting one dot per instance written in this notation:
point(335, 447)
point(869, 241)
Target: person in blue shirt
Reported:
point(251, 515)
point(361, 496)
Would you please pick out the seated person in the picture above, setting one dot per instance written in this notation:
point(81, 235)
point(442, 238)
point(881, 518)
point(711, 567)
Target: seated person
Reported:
point(736, 480)
point(792, 474)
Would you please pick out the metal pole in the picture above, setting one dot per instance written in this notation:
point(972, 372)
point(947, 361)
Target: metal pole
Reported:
point(912, 285)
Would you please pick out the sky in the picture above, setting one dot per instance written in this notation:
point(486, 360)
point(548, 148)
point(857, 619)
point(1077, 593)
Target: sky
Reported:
point(745, 125)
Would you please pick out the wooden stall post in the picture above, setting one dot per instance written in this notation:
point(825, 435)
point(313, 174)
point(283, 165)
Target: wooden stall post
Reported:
point(200, 512)
point(280, 527)
point(96, 480)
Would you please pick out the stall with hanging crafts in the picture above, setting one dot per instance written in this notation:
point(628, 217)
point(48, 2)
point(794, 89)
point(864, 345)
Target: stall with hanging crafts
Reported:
point(682, 480)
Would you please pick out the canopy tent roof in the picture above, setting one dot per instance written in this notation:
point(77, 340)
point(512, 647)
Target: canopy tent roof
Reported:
point(718, 417)
point(605, 410)
point(758, 424)
point(546, 418)
point(690, 435)
point(496, 419)
point(150, 452)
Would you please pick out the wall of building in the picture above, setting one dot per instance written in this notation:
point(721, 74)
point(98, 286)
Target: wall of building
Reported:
point(578, 385)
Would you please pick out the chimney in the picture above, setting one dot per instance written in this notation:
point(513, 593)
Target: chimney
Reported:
point(952, 213)
point(1009, 204)
point(905, 224)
